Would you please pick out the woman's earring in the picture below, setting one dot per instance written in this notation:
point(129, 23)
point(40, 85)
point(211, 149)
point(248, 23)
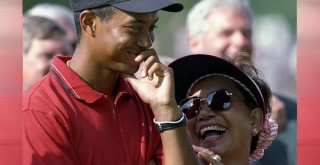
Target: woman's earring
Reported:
point(254, 132)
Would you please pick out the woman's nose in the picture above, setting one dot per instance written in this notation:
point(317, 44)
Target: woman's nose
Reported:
point(206, 112)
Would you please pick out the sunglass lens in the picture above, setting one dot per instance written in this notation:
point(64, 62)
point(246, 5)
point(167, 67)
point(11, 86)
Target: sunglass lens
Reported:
point(219, 100)
point(190, 107)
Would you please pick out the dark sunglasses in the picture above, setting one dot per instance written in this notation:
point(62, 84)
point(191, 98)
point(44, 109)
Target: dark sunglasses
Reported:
point(219, 100)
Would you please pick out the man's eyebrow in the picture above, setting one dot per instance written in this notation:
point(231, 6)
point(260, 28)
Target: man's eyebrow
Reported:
point(155, 21)
point(143, 21)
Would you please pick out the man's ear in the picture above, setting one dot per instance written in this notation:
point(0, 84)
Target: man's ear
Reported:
point(88, 22)
point(257, 118)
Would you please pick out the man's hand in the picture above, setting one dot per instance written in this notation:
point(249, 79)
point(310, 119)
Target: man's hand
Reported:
point(156, 86)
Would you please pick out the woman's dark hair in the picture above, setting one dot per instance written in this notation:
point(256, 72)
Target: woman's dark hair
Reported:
point(105, 13)
point(243, 61)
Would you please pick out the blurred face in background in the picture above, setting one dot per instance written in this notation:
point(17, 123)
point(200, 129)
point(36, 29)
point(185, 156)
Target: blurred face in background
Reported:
point(37, 61)
point(71, 32)
point(227, 32)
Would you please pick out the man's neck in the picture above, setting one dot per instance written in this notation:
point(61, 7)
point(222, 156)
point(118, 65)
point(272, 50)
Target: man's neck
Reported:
point(99, 79)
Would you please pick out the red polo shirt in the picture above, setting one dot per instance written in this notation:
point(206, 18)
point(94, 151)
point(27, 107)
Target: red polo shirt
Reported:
point(67, 122)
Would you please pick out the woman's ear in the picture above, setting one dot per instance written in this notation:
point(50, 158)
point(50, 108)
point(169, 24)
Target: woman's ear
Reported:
point(257, 119)
point(88, 22)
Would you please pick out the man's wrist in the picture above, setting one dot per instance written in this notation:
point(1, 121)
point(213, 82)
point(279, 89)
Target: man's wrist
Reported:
point(166, 113)
point(168, 125)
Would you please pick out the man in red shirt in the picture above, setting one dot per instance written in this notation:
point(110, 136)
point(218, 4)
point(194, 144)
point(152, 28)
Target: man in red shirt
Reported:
point(91, 110)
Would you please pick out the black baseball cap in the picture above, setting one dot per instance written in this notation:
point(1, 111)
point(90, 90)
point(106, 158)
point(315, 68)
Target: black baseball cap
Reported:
point(190, 68)
point(135, 6)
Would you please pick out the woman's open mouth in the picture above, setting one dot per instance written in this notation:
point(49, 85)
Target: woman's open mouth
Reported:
point(211, 132)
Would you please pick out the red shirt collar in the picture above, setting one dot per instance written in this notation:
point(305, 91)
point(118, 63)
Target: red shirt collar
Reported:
point(76, 87)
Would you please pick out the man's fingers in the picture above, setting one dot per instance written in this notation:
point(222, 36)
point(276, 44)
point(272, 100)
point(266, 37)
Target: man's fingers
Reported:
point(146, 54)
point(147, 58)
point(156, 68)
point(148, 64)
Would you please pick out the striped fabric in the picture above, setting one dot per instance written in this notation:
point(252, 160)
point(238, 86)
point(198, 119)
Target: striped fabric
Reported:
point(266, 136)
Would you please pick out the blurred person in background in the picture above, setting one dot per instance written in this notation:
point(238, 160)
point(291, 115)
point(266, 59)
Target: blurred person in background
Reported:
point(275, 57)
point(220, 28)
point(273, 40)
point(60, 14)
point(42, 40)
point(223, 28)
